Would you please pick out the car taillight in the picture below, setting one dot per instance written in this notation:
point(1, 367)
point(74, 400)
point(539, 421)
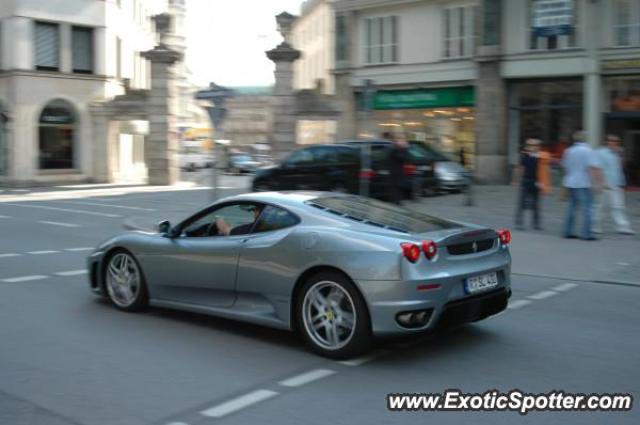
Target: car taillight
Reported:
point(367, 174)
point(410, 251)
point(409, 169)
point(430, 249)
point(505, 236)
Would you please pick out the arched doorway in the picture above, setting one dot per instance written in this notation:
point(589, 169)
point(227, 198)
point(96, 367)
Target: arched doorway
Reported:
point(57, 129)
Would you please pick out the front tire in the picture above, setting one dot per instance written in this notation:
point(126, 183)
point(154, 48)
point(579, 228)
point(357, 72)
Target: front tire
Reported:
point(333, 317)
point(124, 282)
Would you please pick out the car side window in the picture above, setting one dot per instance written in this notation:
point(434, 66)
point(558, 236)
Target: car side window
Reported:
point(324, 155)
point(274, 218)
point(347, 155)
point(230, 219)
point(418, 152)
point(300, 157)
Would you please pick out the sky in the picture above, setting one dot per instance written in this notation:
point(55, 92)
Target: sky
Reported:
point(227, 40)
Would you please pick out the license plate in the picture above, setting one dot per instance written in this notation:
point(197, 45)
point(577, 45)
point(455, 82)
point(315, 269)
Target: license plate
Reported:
point(480, 283)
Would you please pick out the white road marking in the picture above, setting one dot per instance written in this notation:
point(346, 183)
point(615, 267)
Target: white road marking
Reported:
point(58, 223)
point(71, 273)
point(178, 423)
point(24, 278)
point(239, 403)
point(4, 216)
point(10, 254)
point(305, 378)
point(518, 304)
point(81, 248)
point(42, 252)
point(564, 287)
point(622, 263)
point(542, 295)
point(359, 360)
point(66, 210)
point(96, 204)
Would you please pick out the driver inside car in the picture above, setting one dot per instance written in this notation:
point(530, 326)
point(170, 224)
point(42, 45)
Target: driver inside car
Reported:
point(225, 228)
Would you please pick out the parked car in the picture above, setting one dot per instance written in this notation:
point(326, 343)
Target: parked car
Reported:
point(331, 167)
point(242, 163)
point(193, 157)
point(420, 166)
point(264, 160)
point(339, 269)
point(450, 176)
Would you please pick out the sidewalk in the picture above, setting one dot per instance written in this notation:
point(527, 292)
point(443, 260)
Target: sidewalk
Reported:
point(612, 259)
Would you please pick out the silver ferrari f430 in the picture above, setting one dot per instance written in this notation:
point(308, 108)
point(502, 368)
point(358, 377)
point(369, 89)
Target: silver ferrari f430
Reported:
point(339, 269)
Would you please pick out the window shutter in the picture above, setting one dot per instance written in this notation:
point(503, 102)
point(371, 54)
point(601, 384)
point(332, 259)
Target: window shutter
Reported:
point(47, 46)
point(82, 43)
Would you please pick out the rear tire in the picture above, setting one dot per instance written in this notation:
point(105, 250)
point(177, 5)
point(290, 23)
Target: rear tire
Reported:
point(332, 316)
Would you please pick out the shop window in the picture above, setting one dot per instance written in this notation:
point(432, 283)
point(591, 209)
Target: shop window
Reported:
point(56, 136)
point(47, 46)
point(554, 42)
point(381, 40)
point(341, 38)
point(547, 110)
point(460, 31)
point(626, 24)
point(82, 48)
point(624, 94)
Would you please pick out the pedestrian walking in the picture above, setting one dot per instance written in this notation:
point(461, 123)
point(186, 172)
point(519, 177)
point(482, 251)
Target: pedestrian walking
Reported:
point(527, 178)
point(398, 157)
point(462, 158)
point(582, 177)
point(612, 194)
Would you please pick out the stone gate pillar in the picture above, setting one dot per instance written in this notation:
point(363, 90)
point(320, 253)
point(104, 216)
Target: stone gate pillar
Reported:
point(284, 106)
point(491, 100)
point(161, 145)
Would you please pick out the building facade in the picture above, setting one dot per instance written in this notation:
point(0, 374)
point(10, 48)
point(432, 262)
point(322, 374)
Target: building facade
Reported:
point(479, 76)
point(249, 118)
point(56, 58)
point(313, 34)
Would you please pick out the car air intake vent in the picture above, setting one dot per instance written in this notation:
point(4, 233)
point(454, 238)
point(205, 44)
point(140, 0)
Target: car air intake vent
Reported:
point(471, 247)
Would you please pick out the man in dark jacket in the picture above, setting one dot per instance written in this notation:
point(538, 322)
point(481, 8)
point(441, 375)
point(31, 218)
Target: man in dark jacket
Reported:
point(527, 177)
point(398, 158)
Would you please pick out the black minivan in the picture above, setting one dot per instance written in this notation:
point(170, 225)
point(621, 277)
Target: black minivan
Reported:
point(334, 167)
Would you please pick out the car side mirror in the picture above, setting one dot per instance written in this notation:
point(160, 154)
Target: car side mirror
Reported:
point(164, 227)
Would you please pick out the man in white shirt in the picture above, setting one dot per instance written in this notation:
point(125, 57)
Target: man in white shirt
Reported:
point(614, 183)
point(582, 175)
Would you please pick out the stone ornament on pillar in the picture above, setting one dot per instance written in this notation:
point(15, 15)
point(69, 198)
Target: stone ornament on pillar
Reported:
point(284, 105)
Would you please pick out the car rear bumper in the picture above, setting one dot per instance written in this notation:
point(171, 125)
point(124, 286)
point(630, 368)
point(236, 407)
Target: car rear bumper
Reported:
point(456, 184)
point(449, 303)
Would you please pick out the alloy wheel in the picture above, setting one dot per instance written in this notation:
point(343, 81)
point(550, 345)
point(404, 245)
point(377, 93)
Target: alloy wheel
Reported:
point(123, 280)
point(328, 314)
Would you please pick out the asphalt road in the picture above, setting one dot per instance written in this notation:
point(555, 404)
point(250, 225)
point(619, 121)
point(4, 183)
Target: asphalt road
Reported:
point(68, 357)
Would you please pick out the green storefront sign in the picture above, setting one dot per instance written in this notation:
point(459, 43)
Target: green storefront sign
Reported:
point(424, 98)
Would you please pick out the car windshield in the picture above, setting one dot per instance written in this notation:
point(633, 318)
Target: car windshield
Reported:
point(436, 155)
point(380, 214)
point(242, 158)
